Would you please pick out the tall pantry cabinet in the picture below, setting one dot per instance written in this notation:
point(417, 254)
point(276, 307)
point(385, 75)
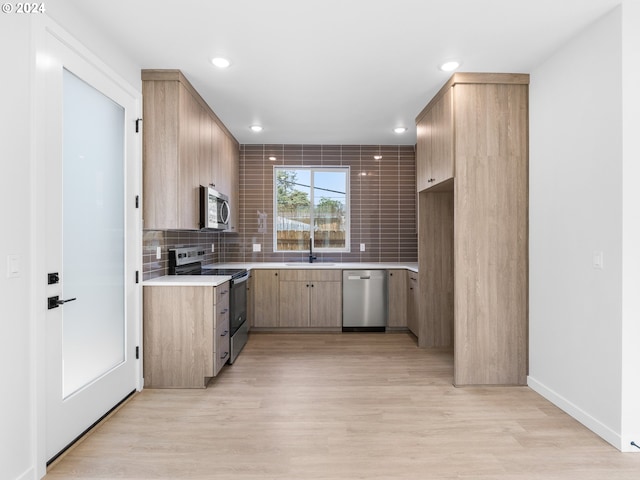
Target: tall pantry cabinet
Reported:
point(472, 169)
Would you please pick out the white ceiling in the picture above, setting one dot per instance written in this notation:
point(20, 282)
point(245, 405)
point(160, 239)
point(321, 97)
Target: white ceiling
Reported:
point(334, 71)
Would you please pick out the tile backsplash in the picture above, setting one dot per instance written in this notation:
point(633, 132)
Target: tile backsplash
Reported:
point(383, 202)
point(166, 239)
point(383, 207)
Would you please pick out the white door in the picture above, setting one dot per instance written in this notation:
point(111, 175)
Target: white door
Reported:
point(92, 237)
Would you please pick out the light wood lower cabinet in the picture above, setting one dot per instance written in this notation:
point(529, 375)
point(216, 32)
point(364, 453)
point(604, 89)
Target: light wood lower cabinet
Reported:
point(266, 295)
point(310, 298)
point(412, 303)
point(186, 335)
point(397, 286)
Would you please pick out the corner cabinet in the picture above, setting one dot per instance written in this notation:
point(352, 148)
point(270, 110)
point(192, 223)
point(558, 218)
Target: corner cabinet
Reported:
point(185, 145)
point(186, 335)
point(472, 168)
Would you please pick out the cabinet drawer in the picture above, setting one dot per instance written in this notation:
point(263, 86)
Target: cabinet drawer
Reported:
point(311, 274)
point(222, 294)
point(221, 312)
point(221, 350)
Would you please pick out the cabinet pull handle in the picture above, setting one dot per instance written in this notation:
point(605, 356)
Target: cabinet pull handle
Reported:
point(224, 334)
point(226, 354)
point(224, 311)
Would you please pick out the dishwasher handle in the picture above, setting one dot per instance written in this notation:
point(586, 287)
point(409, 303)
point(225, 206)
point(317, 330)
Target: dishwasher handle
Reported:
point(359, 277)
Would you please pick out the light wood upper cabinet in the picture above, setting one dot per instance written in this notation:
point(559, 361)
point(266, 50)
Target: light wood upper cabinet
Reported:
point(185, 145)
point(434, 153)
point(188, 155)
point(473, 226)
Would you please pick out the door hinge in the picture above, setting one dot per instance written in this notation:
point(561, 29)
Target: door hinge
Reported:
point(137, 276)
point(138, 122)
point(137, 201)
point(137, 353)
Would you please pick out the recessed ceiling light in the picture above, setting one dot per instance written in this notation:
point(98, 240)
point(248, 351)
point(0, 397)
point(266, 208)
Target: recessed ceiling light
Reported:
point(449, 66)
point(400, 129)
point(377, 157)
point(220, 62)
point(256, 128)
point(273, 159)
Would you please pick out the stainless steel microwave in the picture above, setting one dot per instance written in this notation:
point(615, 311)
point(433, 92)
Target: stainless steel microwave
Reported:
point(214, 209)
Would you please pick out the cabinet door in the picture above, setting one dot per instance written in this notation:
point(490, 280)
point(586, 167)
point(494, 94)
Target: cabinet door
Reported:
point(216, 152)
point(266, 290)
point(234, 183)
point(412, 303)
point(397, 287)
point(205, 157)
point(188, 169)
point(423, 151)
point(294, 304)
point(442, 139)
point(325, 304)
point(160, 153)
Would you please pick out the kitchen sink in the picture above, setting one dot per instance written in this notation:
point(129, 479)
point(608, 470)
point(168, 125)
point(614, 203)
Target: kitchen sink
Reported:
point(306, 264)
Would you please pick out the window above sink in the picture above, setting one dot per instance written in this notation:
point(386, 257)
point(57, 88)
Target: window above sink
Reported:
point(311, 204)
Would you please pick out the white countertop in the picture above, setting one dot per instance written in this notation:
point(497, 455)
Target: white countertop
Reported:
point(215, 280)
point(412, 266)
point(187, 281)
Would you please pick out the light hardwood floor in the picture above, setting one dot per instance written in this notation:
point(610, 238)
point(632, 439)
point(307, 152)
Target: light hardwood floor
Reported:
point(342, 406)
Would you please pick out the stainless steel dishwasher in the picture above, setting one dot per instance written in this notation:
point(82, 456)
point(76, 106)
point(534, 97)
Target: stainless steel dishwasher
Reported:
point(364, 300)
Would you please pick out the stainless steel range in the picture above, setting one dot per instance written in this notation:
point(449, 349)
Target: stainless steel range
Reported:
point(188, 261)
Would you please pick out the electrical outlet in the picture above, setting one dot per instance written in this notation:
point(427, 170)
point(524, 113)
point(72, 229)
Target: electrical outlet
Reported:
point(257, 247)
point(213, 247)
point(158, 253)
point(362, 247)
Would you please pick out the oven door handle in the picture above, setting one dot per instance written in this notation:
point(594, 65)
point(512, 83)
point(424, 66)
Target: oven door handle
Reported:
point(242, 279)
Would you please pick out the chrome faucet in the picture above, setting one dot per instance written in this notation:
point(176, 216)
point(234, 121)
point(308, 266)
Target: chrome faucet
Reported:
point(312, 257)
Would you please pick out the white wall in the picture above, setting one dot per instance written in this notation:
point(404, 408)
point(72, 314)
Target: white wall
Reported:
point(631, 222)
point(19, 404)
point(16, 415)
point(575, 210)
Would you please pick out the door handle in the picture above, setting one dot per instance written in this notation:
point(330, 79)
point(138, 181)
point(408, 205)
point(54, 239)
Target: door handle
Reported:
point(55, 302)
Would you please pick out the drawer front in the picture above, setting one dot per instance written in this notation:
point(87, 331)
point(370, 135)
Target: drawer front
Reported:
point(222, 294)
point(311, 274)
point(221, 310)
point(222, 348)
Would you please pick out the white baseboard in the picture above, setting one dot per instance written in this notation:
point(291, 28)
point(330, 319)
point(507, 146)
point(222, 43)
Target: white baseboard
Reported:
point(30, 474)
point(576, 412)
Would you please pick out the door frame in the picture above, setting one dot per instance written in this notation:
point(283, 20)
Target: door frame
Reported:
point(43, 29)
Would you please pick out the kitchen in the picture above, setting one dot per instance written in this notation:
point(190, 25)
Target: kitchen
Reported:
point(564, 330)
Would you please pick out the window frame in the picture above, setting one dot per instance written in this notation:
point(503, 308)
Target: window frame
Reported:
point(317, 168)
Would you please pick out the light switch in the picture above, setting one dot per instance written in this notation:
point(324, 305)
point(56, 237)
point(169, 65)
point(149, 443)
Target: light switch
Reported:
point(257, 247)
point(598, 260)
point(362, 247)
point(213, 247)
point(13, 266)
